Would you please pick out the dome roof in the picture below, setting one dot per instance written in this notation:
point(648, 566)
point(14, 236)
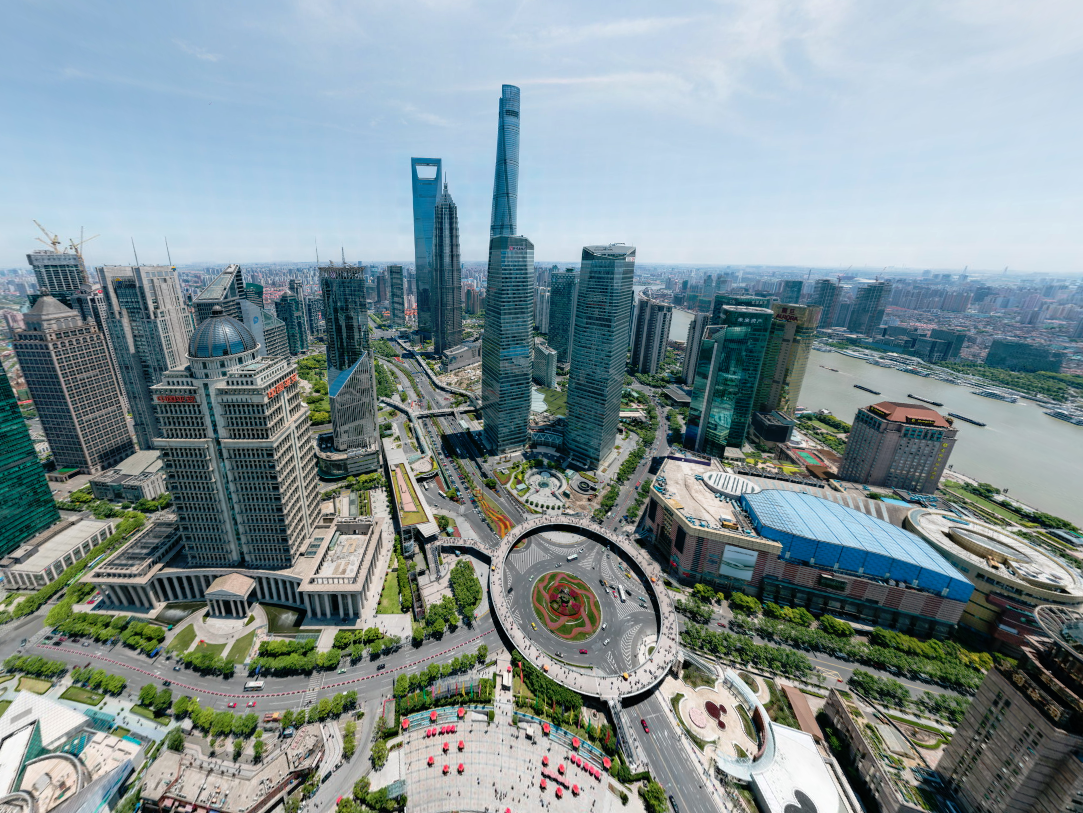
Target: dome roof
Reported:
point(220, 335)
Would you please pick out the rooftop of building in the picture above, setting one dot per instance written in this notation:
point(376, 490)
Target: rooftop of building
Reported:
point(56, 721)
point(54, 543)
point(683, 485)
point(824, 533)
point(990, 548)
point(220, 335)
point(901, 412)
point(219, 287)
point(146, 461)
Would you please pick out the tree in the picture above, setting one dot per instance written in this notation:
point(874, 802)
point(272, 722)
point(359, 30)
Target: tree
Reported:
point(174, 740)
point(746, 605)
point(238, 747)
point(832, 626)
point(379, 754)
point(654, 797)
point(483, 654)
point(163, 700)
point(287, 718)
point(148, 694)
point(703, 593)
point(257, 750)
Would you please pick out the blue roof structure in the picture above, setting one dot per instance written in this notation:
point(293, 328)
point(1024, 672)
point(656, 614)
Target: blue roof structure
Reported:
point(220, 336)
point(825, 534)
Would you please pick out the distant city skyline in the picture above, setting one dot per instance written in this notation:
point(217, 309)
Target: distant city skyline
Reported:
point(827, 135)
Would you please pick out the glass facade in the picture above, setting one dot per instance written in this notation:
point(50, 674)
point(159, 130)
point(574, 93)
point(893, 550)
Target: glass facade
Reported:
point(291, 311)
point(506, 183)
point(447, 289)
point(26, 502)
point(825, 294)
point(346, 315)
point(563, 290)
point(868, 310)
point(506, 343)
point(785, 360)
point(427, 183)
point(599, 351)
point(726, 378)
point(397, 296)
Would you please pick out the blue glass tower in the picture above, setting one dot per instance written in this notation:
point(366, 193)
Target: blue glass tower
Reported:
point(427, 183)
point(506, 183)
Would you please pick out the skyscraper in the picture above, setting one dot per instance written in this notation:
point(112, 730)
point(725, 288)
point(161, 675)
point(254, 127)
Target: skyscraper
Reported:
point(785, 358)
point(345, 311)
point(504, 220)
point(397, 296)
point(599, 350)
point(226, 291)
point(541, 310)
point(651, 335)
point(506, 342)
point(727, 375)
point(563, 293)
point(790, 291)
point(868, 311)
point(59, 273)
point(427, 184)
point(26, 502)
point(149, 325)
point(691, 345)
point(722, 301)
point(237, 451)
point(291, 311)
point(447, 288)
point(253, 292)
point(825, 294)
point(75, 393)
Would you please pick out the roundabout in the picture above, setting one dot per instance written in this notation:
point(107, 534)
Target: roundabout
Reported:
point(584, 605)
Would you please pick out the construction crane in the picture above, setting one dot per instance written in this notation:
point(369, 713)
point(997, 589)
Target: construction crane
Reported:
point(54, 239)
point(78, 247)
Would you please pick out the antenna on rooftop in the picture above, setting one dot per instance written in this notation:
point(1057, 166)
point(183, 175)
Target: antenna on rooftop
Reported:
point(134, 251)
point(167, 255)
point(317, 244)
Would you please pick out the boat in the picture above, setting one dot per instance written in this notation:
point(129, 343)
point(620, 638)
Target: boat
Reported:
point(867, 389)
point(1011, 399)
point(965, 418)
point(924, 400)
point(832, 369)
point(1068, 417)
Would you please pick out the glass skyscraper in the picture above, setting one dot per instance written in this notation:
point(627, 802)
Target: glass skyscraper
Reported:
point(563, 290)
point(599, 351)
point(346, 315)
point(427, 183)
point(785, 359)
point(825, 294)
point(506, 183)
point(726, 379)
point(397, 296)
point(447, 289)
point(506, 342)
point(26, 502)
point(291, 311)
point(868, 311)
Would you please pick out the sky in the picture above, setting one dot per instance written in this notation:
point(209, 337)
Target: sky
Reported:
point(927, 133)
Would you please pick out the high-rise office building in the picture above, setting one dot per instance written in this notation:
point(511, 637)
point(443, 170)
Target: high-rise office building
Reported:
point(563, 293)
point(226, 292)
point(269, 331)
point(504, 220)
point(898, 445)
point(314, 315)
point(599, 351)
point(75, 392)
point(506, 343)
point(541, 310)
point(722, 301)
point(727, 376)
point(1018, 746)
point(149, 325)
point(785, 358)
point(345, 311)
point(826, 296)
point(59, 273)
point(26, 502)
point(789, 293)
point(955, 339)
point(90, 303)
point(237, 451)
point(427, 183)
point(651, 335)
point(692, 343)
point(253, 292)
point(397, 295)
point(447, 288)
point(545, 365)
point(291, 311)
point(868, 310)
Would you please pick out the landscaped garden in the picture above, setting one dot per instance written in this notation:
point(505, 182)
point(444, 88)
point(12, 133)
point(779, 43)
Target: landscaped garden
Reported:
point(566, 606)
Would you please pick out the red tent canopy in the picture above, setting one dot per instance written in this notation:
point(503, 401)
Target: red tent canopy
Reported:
point(545, 728)
point(560, 792)
point(462, 712)
point(462, 745)
point(433, 715)
point(575, 742)
point(446, 746)
point(560, 767)
point(545, 760)
point(447, 768)
point(461, 767)
point(575, 789)
point(542, 783)
point(607, 763)
point(405, 723)
point(431, 760)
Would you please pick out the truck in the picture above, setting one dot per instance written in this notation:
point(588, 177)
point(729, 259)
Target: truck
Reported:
point(272, 717)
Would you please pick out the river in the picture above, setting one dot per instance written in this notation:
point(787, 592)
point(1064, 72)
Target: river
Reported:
point(1037, 458)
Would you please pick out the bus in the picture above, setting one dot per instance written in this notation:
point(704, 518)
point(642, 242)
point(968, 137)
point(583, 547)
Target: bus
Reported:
point(253, 686)
point(620, 589)
point(573, 557)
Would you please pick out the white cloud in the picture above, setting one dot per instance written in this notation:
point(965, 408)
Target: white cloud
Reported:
point(197, 51)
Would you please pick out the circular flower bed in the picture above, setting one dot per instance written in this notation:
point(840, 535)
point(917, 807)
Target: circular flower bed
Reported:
point(698, 718)
point(566, 606)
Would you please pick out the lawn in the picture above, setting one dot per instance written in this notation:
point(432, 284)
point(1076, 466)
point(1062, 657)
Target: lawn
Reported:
point(183, 640)
point(238, 653)
point(143, 711)
point(29, 684)
point(120, 731)
point(4, 706)
point(999, 510)
point(556, 401)
point(81, 695)
point(406, 518)
point(389, 596)
point(214, 649)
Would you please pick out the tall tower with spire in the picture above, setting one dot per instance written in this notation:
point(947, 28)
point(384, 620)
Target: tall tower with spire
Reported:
point(447, 311)
point(506, 184)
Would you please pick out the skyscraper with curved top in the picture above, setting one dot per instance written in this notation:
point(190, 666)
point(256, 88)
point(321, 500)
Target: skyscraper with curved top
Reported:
point(506, 183)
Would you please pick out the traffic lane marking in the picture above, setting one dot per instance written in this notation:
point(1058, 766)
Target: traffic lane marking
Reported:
point(382, 672)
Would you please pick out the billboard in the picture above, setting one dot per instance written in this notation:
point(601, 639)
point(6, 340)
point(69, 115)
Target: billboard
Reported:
point(737, 563)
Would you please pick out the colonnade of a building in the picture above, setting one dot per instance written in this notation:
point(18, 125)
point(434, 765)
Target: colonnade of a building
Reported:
point(332, 605)
point(228, 607)
point(128, 595)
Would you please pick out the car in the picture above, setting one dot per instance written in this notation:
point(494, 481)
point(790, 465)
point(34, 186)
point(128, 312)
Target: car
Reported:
point(646, 728)
point(582, 652)
point(86, 643)
point(605, 642)
point(381, 667)
point(721, 623)
point(533, 625)
point(252, 705)
point(673, 804)
point(231, 706)
point(176, 668)
point(167, 683)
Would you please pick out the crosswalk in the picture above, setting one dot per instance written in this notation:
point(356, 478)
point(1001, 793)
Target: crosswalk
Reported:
point(626, 642)
point(537, 551)
point(315, 683)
